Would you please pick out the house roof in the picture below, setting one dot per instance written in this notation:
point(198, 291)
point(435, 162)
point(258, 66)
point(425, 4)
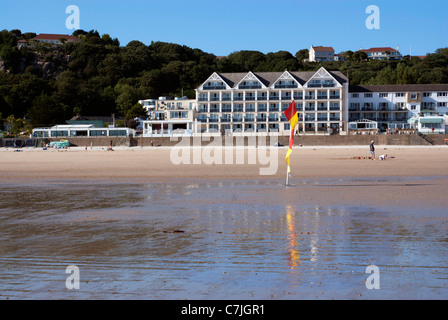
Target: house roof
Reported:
point(323, 49)
point(47, 36)
point(399, 88)
point(380, 49)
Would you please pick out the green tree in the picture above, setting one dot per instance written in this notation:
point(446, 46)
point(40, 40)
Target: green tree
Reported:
point(136, 111)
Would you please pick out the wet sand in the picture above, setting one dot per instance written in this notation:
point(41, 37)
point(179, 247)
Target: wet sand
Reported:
point(140, 227)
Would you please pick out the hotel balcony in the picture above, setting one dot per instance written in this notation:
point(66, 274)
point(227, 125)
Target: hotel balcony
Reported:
point(322, 108)
point(322, 85)
point(262, 98)
point(309, 97)
point(273, 97)
point(335, 97)
point(249, 86)
point(322, 96)
point(322, 118)
point(285, 86)
point(214, 87)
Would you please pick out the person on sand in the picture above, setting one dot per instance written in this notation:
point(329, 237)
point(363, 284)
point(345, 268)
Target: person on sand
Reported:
point(383, 157)
point(372, 150)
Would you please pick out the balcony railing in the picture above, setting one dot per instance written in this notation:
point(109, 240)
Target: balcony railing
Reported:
point(214, 87)
point(285, 86)
point(249, 86)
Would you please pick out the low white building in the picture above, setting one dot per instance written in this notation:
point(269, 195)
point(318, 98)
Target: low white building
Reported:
point(168, 116)
point(383, 53)
point(393, 106)
point(81, 130)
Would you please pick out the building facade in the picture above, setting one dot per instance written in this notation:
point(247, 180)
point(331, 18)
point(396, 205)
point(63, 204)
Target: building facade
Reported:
point(417, 106)
point(54, 38)
point(168, 116)
point(319, 54)
point(254, 102)
point(383, 53)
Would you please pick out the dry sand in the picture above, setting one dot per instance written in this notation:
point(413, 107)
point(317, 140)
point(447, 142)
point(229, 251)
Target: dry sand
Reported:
point(413, 176)
point(155, 163)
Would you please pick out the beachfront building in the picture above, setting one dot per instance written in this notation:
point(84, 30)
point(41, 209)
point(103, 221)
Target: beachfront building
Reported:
point(81, 130)
point(383, 53)
point(417, 106)
point(319, 54)
point(255, 102)
point(168, 116)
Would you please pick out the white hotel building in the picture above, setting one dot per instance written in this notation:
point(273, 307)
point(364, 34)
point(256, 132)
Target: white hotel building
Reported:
point(254, 102)
point(413, 106)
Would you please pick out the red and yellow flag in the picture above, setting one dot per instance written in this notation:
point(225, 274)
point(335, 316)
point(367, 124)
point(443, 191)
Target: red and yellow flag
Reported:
point(293, 118)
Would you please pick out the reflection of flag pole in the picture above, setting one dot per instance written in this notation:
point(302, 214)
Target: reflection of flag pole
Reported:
point(293, 118)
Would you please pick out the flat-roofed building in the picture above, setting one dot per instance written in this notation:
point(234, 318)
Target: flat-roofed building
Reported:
point(168, 116)
point(401, 106)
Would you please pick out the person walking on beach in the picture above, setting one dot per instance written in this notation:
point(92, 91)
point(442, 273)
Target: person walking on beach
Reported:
point(372, 150)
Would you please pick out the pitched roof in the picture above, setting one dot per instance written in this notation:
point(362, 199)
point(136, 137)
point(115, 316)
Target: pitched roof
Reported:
point(323, 49)
point(399, 88)
point(269, 78)
point(47, 36)
point(380, 49)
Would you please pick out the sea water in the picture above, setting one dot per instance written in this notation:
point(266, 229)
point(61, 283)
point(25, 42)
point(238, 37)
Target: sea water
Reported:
point(196, 239)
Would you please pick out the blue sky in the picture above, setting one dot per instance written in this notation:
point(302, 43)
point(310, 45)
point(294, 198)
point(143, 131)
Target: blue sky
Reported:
point(222, 27)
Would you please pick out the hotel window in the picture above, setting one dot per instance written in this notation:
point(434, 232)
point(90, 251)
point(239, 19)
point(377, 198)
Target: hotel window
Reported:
point(413, 107)
point(426, 94)
point(414, 96)
point(368, 95)
point(442, 94)
point(442, 104)
point(355, 95)
point(400, 95)
point(384, 95)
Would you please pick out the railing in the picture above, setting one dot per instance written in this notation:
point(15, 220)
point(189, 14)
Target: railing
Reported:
point(249, 86)
point(217, 87)
point(285, 86)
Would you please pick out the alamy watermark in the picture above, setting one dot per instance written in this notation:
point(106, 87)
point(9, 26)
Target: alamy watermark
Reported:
point(373, 280)
point(72, 281)
point(73, 21)
point(230, 151)
point(373, 20)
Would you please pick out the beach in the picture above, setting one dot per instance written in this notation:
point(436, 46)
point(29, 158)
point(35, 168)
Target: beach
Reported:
point(139, 226)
